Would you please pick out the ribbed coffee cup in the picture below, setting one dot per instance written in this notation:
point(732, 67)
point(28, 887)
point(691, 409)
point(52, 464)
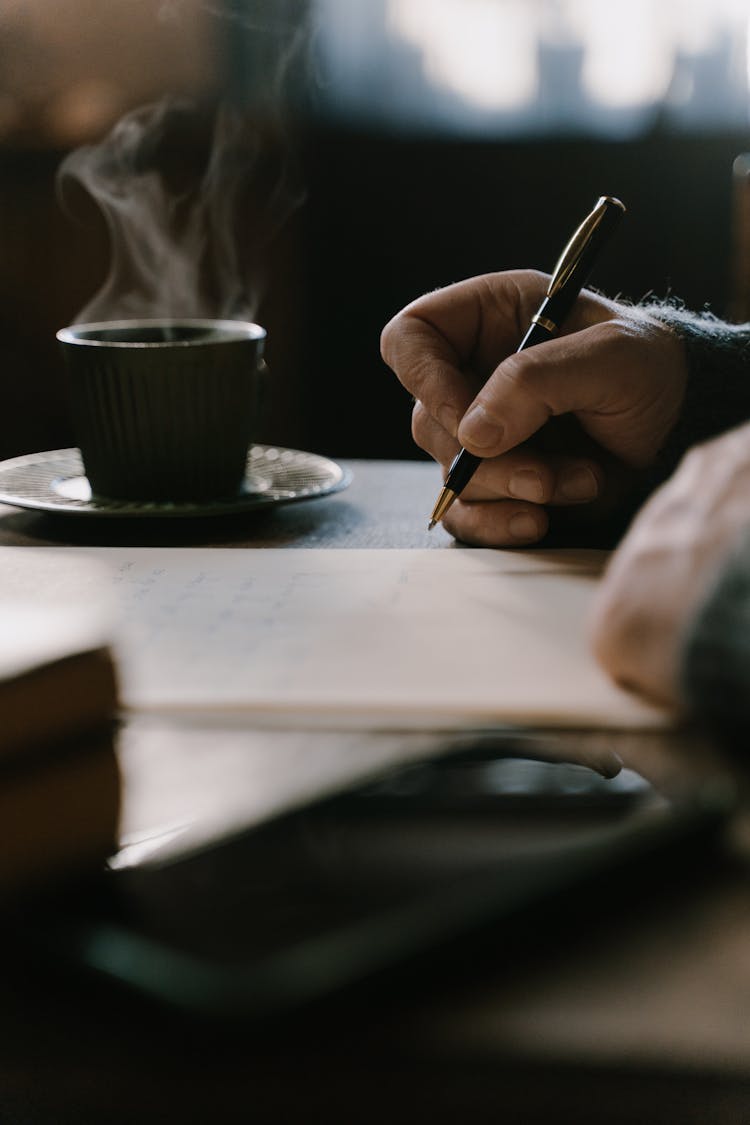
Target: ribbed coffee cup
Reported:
point(164, 410)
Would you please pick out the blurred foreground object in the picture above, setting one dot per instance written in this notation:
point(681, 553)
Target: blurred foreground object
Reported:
point(59, 779)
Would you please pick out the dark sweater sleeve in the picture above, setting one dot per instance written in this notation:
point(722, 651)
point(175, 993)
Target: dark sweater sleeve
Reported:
point(715, 665)
point(717, 395)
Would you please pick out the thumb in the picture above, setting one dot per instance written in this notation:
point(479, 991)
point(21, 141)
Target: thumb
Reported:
point(596, 374)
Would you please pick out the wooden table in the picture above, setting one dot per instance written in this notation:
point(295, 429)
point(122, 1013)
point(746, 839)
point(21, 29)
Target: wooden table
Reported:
point(631, 1011)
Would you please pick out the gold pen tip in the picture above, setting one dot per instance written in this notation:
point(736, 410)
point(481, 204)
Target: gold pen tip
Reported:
point(444, 501)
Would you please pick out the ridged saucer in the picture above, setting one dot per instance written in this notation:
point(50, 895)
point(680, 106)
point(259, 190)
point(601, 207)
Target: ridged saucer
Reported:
point(54, 481)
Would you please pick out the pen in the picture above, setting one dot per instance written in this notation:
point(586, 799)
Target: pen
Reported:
point(569, 277)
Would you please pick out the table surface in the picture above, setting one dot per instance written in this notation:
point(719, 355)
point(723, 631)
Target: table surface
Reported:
point(388, 504)
point(631, 1014)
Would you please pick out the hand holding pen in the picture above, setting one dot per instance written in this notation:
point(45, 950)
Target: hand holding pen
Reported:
point(569, 277)
point(615, 368)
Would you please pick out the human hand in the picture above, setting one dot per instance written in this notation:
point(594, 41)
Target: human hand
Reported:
point(666, 564)
point(619, 373)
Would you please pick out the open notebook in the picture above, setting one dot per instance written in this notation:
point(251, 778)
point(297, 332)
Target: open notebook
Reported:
point(378, 638)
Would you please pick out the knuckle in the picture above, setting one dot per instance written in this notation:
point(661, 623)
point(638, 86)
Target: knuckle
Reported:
point(521, 371)
point(514, 370)
point(397, 348)
point(390, 338)
point(521, 382)
point(422, 428)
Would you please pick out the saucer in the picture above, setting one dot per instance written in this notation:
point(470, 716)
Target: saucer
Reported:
point(54, 481)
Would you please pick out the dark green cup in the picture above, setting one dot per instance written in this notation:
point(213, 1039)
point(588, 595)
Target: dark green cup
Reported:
point(164, 410)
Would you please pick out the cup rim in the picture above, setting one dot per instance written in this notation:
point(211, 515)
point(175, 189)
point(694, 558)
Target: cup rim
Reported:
point(235, 329)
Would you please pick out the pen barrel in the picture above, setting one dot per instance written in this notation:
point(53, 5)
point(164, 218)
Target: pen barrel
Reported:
point(575, 266)
point(549, 316)
point(462, 469)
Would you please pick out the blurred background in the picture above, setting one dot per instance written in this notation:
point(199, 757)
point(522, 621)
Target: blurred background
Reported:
point(392, 146)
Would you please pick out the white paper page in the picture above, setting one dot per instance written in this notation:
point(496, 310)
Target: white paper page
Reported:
point(387, 637)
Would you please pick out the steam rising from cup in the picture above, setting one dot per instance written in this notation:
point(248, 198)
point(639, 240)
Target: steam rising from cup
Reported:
point(192, 196)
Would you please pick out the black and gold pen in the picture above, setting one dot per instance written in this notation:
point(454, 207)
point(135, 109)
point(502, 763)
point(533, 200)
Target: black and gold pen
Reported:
point(569, 277)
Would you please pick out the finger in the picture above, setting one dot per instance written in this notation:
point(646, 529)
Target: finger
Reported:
point(431, 436)
point(592, 373)
point(518, 474)
point(507, 523)
point(522, 473)
point(464, 328)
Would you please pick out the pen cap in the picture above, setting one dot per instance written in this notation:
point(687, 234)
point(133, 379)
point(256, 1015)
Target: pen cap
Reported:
point(577, 259)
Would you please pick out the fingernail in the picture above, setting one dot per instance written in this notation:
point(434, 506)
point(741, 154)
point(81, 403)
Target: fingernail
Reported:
point(526, 484)
point(578, 484)
point(523, 527)
point(478, 429)
point(448, 419)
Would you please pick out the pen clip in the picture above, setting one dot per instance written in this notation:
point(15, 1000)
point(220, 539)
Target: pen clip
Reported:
point(573, 254)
